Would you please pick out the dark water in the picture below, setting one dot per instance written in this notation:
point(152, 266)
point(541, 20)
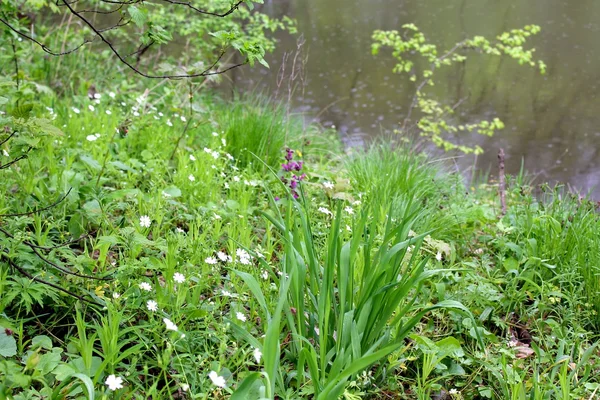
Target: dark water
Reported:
point(552, 121)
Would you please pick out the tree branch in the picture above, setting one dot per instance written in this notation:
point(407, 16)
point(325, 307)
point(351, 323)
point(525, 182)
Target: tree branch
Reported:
point(206, 72)
point(214, 14)
point(43, 46)
point(39, 209)
point(39, 280)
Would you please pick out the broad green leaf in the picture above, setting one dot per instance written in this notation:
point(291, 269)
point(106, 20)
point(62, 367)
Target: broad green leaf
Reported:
point(8, 344)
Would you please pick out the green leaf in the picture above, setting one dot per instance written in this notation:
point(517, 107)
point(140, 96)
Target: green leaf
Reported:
point(42, 341)
point(245, 388)
point(8, 344)
point(172, 191)
point(139, 17)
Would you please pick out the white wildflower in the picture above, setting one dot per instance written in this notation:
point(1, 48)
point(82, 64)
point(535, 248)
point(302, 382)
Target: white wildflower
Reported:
point(111, 95)
point(145, 221)
point(240, 316)
point(210, 260)
point(114, 382)
point(236, 178)
point(325, 211)
point(116, 295)
point(170, 325)
point(191, 178)
point(97, 95)
point(76, 111)
point(438, 256)
point(91, 138)
point(169, 123)
point(349, 210)
point(257, 355)
point(328, 185)
point(192, 158)
point(152, 305)
point(183, 118)
point(223, 257)
point(178, 277)
point(108, 112)
point(217, 380)
point(145, 286)
point(91, 107)
point(215, 134)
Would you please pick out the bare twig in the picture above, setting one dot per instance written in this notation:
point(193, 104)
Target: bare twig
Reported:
point(43, 46)
point(502, 181)
point(39, 209)
point(8, 164)
point(207, 72)
point(214, 14)
point(39, 280)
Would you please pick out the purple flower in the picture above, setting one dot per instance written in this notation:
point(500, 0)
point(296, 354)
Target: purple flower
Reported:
point(289, 154)
point(287, 167)
point(295, 194)
point(276, 198)
point(293, 184)
point(298, 166)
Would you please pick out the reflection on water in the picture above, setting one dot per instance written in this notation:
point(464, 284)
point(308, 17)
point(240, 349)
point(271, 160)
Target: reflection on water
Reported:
point(552, 121)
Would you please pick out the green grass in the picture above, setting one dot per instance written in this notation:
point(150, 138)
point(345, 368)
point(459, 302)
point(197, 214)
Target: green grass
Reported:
point(387, 278)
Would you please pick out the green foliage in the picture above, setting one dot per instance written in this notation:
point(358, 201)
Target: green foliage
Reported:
point(435, 119)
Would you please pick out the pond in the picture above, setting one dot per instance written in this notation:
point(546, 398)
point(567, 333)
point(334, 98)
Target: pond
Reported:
point(552, 120)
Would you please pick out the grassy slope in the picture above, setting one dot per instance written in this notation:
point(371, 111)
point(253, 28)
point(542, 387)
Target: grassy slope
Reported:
point(529, 274)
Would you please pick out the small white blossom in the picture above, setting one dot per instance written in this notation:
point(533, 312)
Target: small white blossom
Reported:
point(325, 211)
point(178, 277)
point(240, 316)
point(217, 380)
point(75, 110)
point(152, 305)
point(223, 257)
point(211, 260)
point(328, 185)
point(5, 153)
point(170, 325)
point(169, 123)
point(91, 138)
point(191, 178)
point(192, 158)
point(145, 221)
point(108, 112)
point(136, 114)
point(183, 118)
point(116, 295)
point(114, 382)
point(145, 286)
point(97, 95)
point(236, 178)
point(91, 107)
point(111, 95)
point(257, 355)
point(185, 387)
point(349, 210)
point(438, 256)
point(161, 114)
point(215, 154)
point(215, 134)
point(216, 216)
point(452, 392)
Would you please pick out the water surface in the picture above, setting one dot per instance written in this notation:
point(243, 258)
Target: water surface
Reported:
point(552, 121)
